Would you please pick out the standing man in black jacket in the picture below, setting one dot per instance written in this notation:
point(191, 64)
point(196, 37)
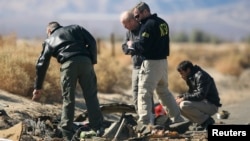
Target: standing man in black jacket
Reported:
point(154, 46)
point(201, 101)
point(75, 49)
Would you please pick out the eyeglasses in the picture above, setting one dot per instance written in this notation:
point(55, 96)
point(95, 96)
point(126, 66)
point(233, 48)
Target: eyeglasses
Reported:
point(136, 16)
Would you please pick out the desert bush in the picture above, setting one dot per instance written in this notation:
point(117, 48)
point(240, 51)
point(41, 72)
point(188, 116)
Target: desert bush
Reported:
point(245, 57)
point(18, 59)
point(196, 36)
point(233, 61)
point(229, 65)
point(15, 72)
point(228, 59)
point(18, 69)
point(208, 55)
point(111, 73)
point(176, 84)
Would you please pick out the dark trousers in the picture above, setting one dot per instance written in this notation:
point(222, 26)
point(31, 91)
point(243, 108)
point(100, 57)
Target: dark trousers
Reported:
point(79, 69)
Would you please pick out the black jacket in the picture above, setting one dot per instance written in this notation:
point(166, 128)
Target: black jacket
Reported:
point(64, 43)
point(137, 58)
point(154, 38)
point(201, 86)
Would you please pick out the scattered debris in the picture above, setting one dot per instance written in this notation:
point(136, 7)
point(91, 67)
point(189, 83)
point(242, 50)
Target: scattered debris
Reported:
point(44, 127)
point(223, 114)
point(13, 133)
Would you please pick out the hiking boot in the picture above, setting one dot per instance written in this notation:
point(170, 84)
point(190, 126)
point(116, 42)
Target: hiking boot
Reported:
point(143, 129)
point(163, 120)
point(206, 123)
point(100, 132)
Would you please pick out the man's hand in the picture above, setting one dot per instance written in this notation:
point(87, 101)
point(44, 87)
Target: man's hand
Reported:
point(129, 43)
point(36, 94)
point(179, 100)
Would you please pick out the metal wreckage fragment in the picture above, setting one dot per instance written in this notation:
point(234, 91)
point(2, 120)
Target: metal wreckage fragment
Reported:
point(120, 124)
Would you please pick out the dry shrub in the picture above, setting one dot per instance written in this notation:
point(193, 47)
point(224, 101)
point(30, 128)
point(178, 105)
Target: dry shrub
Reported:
point(176, 83)
point(15, 80)
point(230, 64)
point(106, 77)
point(18, 69)
point(124, 60)
point(226, 58)
point(175, 58)
point(8, 40)
point(15, 71)
point(51, 85)
point(111, 75)
point(18, 59)
point(245, 57)
point(194, 52)
point(229, 59)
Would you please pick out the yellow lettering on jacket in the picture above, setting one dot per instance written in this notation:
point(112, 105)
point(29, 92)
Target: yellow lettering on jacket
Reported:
point(163, 29)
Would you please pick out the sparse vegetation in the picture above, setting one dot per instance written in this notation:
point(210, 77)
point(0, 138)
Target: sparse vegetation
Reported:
point(246, 39)
point(18, 59)
point(196, 36)
point(111, 73)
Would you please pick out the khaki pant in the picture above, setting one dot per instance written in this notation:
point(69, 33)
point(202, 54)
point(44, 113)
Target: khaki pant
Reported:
point(135, 82)
point(153, 76)
point(196, 111)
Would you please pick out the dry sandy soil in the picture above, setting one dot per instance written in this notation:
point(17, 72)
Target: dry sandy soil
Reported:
point(234, 95)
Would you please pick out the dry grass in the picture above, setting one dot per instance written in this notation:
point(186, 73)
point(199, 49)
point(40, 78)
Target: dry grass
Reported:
point(228, 59)
point(18, 59)
point(112, 74)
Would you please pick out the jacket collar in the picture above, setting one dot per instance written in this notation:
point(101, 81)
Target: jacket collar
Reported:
point(149, 17)
point(55, 29)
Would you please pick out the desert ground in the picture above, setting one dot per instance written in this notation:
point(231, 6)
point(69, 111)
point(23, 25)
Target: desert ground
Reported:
point(19, 108)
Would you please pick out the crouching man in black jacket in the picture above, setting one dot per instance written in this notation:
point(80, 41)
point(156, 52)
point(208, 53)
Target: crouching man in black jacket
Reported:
point(202, 99)
point(75, 49)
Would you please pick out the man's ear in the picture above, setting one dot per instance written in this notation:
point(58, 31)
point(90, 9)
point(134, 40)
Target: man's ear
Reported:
point(48, 31)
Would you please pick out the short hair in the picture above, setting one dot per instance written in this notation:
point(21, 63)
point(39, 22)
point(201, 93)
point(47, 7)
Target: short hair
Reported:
point(184, 65)
point(53, 25)
point(142, 6)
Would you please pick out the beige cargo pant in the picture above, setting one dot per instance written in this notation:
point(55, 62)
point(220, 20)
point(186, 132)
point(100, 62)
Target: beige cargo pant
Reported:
point(198, 111)
point(153, 76)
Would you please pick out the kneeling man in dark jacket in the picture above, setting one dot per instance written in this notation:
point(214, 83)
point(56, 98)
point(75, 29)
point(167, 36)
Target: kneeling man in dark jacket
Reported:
point(201, 101)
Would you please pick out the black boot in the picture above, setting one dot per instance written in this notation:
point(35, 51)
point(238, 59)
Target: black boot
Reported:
point(206, 123)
